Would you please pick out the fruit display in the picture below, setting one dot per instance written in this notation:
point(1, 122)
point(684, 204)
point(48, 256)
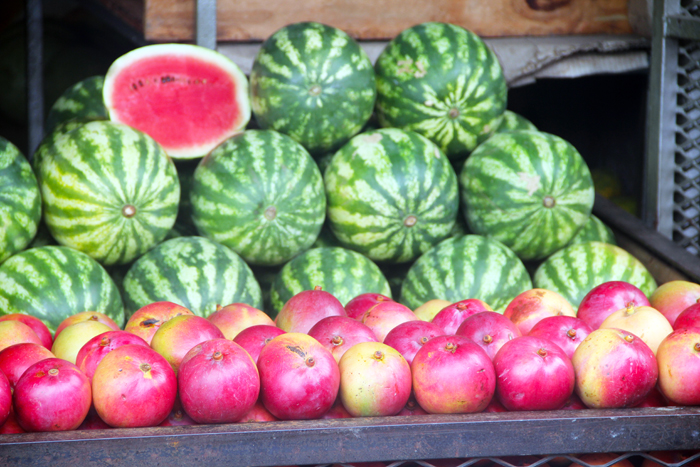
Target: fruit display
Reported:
point(376, 304)
point(83, 100)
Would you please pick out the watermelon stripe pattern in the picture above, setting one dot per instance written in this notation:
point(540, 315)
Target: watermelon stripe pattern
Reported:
point(530, 190)
point(443, 82)
point(513, 121)
point(575, 270)
point(392, 195)
point(54, 282)
point(261, 194)
point(594, 230)
point(341, 272)
point(108, 190)
point(194, 272)
point(314, 83)
point(470, 266)
point(20, 201)
point(82, 100)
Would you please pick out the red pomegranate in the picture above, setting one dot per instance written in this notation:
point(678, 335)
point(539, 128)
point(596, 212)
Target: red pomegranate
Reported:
point(338, 333)
point(307, 308)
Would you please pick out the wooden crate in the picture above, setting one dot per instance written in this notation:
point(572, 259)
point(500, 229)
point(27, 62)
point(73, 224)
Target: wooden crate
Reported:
point(251, 20)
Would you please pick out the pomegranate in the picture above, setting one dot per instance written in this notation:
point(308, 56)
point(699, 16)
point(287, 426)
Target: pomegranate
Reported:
point(642, 321)
point(133, 386)
point(452, 316)
point(236, 317)
point(16, 332)
point(606, 298)
point(254, 338)
point(15, 359)
point(679, 366)
point(357, 307)
point(671, 298)
point(565, 331)
point(86, 316)
point(412, 408)
point(52, 395)
point(338, 333)
point(452, 374)
point(258, 414)
point(147, 319)
point(490, 330)
point(375, 380)
point(409, 337)
point(5, 398)
point(93, 422)
point(614, 368)
point(37, 325)
point(218, 382)
point(428, 310)
point(385, 316)
point(531, 306)
point(307, 308)
point(689, 318)
point(94, 350)
point(74, 337)
point(337, 411)
point(533, 374)
point(299, 378)
point(178, 335)
point(178, 416)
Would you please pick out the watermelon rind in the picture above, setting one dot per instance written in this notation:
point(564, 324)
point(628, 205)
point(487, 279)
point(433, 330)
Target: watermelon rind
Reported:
point(162, 76)
point(194, 272)
point(514, 121)
point(530, 190)
point(55, 282)
point(470, 266)
point(108, 190)
point(594, 230)
point(339, 271)
point(443, 82)
point(314, 83)
point(392, 195)
point(575, 270)
point(82, 100)
point(261, 194)
point(20, 201)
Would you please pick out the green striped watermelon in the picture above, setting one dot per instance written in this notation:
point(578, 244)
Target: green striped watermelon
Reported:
point(514, 121)
point(20, 201)
point(470, 266)
point(594, 230)
point(194, 272)
point(314, 83)
point(530, 190)
point(261, 194)
point(108, 190)
point(392, 195)
point(82, 100)
point(54, 282)
point(443, 82)
point(326, 237)
point(42, 238)
point(341, 272)
point(575, 270)
point(50, 138)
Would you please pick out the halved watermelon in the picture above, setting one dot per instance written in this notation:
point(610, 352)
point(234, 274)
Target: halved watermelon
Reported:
point(186, 97)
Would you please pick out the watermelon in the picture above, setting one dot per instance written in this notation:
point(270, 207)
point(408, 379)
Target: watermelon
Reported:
point(82, 100)
point(194, 272)
point(530, 190)
point(265, 275)
point(339, 271)
point(188, 98)
point(42, 238)
point(261, 194)
point(109, 191)
point(443, 82)
point(575, 270)
point(50, 138)
point(20, 201)
point(392, 195)
point(513, 121)
point(594, 230)
point(55, 282)
point(185, 175)
point(314, 83)
point(470, 266)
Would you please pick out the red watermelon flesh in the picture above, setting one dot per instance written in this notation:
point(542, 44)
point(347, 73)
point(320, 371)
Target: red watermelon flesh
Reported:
point(188, 98)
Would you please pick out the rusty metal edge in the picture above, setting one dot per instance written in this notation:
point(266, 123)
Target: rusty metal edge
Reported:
point(364, 439)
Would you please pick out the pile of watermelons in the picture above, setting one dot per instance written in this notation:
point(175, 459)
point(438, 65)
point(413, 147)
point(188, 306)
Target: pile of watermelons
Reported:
point(408, 177)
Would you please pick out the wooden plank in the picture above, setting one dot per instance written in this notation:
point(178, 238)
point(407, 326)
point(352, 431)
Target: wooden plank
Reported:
point(315, 442)
point(251, 20)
